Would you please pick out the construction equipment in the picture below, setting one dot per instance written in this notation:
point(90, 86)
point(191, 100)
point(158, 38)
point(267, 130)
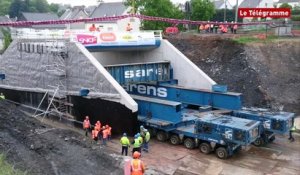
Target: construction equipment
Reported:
point(174, 112)
point(170, 120)
point(271, 123)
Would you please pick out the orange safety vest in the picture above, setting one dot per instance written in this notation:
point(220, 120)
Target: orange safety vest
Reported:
point(206, 26)
point(235, 27)
point(98, 126)
point(137, 167)
point(86, 124)
point(225, 29)
point(95, 133)
point(105, 133)
point(201, 27)
point(109, 131)
point(128, 28)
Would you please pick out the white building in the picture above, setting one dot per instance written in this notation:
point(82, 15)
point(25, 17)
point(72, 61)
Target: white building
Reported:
point(113, 9)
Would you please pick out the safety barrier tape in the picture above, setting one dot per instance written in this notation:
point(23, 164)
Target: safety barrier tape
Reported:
point(115, 18)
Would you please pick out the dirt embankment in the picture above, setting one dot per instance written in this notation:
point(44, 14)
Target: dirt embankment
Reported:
point(268, 74)
point(40, 149)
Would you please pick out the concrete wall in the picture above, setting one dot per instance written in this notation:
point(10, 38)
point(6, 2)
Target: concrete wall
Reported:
point(188, 74)
point(32, 71)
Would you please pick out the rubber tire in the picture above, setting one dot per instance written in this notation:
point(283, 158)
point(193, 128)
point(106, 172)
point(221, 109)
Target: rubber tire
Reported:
point(205, 148)
point(189, 143)
point(272, 139)
point(161, 136)
point(221, 153)
point(258, 142)
point(175, 140)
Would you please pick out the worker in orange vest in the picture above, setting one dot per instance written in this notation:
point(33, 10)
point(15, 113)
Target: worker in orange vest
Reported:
point(235, 26)
point(109, 132)
point(206, 27)
point(95, 135)
point(137, 166)
point(98, 128)
point(128, 27)
point(92, 28)
point(201, 28)
point(86, 125)
point(105, 135)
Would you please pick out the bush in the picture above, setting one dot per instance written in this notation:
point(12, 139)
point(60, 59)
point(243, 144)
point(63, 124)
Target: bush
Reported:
point(295, 18)
point(8, 169)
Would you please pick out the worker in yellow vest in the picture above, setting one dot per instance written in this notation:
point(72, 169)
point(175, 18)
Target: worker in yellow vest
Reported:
point(136, 144)
point(293, 129)
point(2, 97)
point(146, 141)
point(125, 144)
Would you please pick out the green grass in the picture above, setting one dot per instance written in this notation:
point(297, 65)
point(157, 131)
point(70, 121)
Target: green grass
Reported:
point(252, 39)
point(7, 169)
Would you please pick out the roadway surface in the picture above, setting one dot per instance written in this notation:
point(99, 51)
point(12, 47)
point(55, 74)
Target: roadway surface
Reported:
point(279, 158)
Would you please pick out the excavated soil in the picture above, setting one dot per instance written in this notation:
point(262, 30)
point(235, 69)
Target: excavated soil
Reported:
point(267, 73)
point(37, 148)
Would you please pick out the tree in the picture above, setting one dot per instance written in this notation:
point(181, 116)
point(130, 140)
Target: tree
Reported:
point(41, 6)
point(159, 8)
point(16, 7)
point(4, 7)
point(7, 39)
point(202, 10)
point(54, 8)
point(285, 5)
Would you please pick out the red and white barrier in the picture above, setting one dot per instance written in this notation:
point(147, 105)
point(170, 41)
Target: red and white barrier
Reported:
point(115, 18)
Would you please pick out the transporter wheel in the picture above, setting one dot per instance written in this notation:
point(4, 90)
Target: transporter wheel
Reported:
point(175, 140)
point(272, 139)
point(221, 153)
point(258, 142)
point(205, 148)
point(161, 136)
point(189, 143)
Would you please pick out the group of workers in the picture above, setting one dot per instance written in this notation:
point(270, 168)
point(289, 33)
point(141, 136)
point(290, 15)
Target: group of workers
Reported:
point(93, 28)
point(140, 142)
point(213, 28)
point(98, 133)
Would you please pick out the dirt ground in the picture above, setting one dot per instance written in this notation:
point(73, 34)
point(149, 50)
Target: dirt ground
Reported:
point(267, 73)
point(56, 148)
point(38, 148)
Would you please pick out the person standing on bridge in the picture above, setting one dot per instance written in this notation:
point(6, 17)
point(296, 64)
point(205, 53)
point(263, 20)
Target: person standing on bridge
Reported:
point(86, 125)
point(125, 144)
point(128, 27)
point(235, 26)
point(137, 166)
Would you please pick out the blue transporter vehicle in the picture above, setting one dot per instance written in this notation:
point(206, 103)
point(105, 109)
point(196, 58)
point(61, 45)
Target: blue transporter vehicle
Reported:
point(219, 133)
point(271, 123)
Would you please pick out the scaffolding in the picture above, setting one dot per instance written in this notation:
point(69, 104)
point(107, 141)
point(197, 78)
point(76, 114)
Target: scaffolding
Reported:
point(57, 99)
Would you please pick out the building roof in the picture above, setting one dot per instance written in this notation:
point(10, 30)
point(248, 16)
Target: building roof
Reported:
point(287, 1)
point(41, 17)
point(89, 10)
point(218, 4)
point(72, 13)
point(250, 3)
point(109, 9)
point(4, 19)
